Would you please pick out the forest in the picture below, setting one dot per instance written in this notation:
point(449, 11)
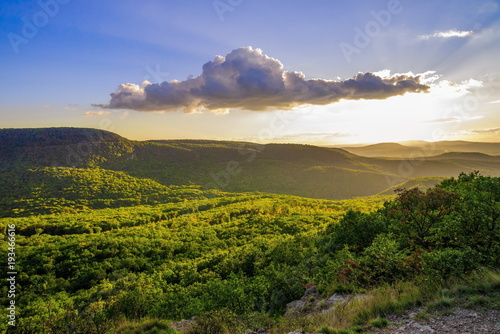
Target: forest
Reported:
point(107, 251)
point(245, 255)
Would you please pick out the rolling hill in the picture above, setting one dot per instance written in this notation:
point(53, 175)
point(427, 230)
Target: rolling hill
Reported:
point(418, 148)
point(302, 170)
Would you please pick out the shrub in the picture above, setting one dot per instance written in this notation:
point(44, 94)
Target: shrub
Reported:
point(356, 230)
point(384, 261)
point(449, 263)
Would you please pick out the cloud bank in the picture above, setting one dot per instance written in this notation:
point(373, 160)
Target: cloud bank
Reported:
point(249, 80)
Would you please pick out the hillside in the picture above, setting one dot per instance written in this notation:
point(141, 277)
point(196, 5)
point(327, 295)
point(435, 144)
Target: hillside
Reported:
point(421, 183)
point(67, 189)
point(59, 147)
point(302, 170)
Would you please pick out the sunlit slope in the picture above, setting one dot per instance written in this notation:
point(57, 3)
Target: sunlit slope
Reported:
point(66, 189)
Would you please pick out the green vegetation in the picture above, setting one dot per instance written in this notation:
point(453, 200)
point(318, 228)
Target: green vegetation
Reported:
point(326, 330)
point(440, 304)
point(112, 245)
point(225, 258)
point(379, 322)
point(145, 327)
point(248, 252)
point(60, 189)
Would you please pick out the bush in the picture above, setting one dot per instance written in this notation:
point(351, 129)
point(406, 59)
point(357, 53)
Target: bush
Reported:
point(383, 261)
point(356, 230)
point(449, 263)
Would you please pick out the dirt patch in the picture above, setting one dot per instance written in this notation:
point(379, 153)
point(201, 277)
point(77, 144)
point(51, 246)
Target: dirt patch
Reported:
point(455, 320)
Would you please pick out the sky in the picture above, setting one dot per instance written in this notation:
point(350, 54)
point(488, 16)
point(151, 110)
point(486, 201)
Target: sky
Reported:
point(324, 72)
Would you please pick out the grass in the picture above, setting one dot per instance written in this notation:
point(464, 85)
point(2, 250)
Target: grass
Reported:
point(327, 330)
point(151, 326)
point(379, 323)
point(422, 315)
point(217, 322)
point(477, 300)
point(481, 289)
point(440, 304)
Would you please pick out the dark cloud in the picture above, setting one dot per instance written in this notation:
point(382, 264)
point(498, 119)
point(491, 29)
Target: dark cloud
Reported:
point(248, 79)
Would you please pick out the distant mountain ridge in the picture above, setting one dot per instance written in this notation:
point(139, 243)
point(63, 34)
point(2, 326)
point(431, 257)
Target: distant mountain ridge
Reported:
point(422, 148)
point(302, 170)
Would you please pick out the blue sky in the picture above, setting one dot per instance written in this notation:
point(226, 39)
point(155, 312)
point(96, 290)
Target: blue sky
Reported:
point(61, 58)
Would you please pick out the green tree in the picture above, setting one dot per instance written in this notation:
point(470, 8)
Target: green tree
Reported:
point(476, 222)
point(417, 216)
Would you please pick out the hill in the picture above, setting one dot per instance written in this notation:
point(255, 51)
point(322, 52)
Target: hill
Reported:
point(59, 147)
point(302, 170)
point(45, 190)
point(466, 156)
point(421, 183)
point(387, 150)
point(412, 149)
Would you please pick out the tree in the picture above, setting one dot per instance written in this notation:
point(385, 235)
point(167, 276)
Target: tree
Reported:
point(356, 230)
point(476, 221)
point(418, 215)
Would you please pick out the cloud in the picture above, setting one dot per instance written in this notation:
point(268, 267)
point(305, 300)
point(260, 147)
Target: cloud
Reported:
point(448, 34)
point(491, 131)
point(69, 108)
point(455, 119)
point(490, 134)
point(444, 120)
point(96, 113)
point(249, 80)
point(312, 137)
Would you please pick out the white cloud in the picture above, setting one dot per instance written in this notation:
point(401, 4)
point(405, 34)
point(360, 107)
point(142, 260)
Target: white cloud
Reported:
point(96, 113)
point(448, 34)
point(247, 79)
point(456, 119)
